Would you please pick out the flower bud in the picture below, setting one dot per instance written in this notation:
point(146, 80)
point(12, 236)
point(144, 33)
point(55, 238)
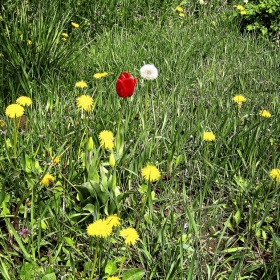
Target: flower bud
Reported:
point(112, 160)
point(90, 144)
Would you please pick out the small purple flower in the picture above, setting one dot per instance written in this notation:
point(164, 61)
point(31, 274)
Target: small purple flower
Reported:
point(24, 232)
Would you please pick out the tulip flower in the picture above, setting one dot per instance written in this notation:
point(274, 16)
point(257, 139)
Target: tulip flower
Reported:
point(125, 85)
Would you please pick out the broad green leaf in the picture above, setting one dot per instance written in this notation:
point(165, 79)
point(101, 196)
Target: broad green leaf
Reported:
point(50, 276)
point(29, 271)
point(44, 225)
point(110, 268)
point(237, 217)
point(133, 274)
point(69, 241)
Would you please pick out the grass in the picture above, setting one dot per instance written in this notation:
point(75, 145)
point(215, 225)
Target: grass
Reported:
point(214, 212)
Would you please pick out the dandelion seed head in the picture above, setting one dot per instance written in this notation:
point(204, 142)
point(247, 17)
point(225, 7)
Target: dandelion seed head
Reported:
point(149, 72)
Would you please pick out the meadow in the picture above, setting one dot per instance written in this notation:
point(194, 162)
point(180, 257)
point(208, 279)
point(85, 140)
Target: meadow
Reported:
point(139, 140)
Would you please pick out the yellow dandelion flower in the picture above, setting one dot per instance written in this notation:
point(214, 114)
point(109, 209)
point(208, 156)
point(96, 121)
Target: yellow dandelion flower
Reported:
point(113, 278)
point(100, 75)
point(209, 136)
point(29, 42)
point(130, 235)
point(239, 7)
point(108, 145)
point(243, 12)
point(150, 173)
point(182, 15)
point(85, 102)
point(76, 25)
point(113, 220)
point(64, 35)
point(179, 9)
point(239, 99)
point(14, 111)
point(106, 139)
point(24, 101)
point(275, 174)
point(81, 84)
point(47, 180)
point(56, 160)
point(2, 123)
point(64, 39)
point(265, 113)
point(1, 55)
point(100, 228)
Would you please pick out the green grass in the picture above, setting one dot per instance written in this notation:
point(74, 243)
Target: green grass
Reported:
point(215, 211)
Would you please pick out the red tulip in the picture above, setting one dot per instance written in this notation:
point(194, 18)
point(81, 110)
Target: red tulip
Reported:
point(125, 85)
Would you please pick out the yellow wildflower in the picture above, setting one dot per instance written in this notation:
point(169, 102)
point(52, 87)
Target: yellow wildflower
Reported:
point(76, 25)
point(24, 101)
point(179, 9)
point(113, 220)
point(265, 113)
point(113, 278)
point(100, 75)
point(106, 139)
point(100, 228)
point(209, 136)
point(275, 174)
point(85, 102)
point(56, 160)
point(81, 84)
point(239, 99)
point(239, 7)
point(47, 180)
point(150, 173)
point(130, 235)
point(14, 111)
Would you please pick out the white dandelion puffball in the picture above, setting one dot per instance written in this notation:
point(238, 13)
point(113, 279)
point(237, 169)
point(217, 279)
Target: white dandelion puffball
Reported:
point(149, 72)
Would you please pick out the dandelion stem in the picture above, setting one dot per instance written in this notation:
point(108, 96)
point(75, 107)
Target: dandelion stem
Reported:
point(147, 198)
point(16, 127)
point(123, 259)
point(146, 103)
point(95, 259)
